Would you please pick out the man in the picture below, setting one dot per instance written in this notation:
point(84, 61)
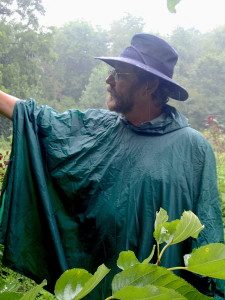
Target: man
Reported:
point(83, 186)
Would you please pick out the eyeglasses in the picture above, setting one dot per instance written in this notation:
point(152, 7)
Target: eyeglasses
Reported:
point(119, 76)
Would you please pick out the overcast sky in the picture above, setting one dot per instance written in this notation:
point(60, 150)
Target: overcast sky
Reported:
point(204, 15)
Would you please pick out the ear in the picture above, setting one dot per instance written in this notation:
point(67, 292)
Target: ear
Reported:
point(151, 86)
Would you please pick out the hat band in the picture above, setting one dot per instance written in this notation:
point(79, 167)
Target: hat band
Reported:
point(132, 52)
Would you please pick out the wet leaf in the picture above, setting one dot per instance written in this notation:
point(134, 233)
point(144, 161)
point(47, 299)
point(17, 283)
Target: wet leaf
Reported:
point(75, 284)
point(127, 259)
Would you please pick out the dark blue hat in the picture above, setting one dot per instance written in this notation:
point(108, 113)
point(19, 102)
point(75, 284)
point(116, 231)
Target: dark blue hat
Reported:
point(154, 55)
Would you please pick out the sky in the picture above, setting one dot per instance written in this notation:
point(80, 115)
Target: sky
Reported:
point(204, 15)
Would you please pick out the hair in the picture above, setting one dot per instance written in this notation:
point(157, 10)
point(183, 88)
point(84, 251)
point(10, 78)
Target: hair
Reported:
point(160, 96)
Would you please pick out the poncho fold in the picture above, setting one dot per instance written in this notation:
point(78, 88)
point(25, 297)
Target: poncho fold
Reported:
point(83, 186)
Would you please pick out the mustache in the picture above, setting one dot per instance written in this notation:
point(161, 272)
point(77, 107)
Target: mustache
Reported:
point(112, 92)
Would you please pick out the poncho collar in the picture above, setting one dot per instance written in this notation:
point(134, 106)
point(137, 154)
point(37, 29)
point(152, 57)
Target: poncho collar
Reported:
point(170, 120)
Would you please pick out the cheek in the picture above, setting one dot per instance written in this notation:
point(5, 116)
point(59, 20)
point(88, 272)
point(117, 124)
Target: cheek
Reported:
point(122, 89)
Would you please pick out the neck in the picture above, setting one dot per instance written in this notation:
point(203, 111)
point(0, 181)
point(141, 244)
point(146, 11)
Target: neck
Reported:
point(143, 113)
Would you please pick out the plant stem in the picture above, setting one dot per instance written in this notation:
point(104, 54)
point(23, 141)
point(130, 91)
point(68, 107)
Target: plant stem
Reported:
point(158, 251)
point(177, 268)
point(162, 252)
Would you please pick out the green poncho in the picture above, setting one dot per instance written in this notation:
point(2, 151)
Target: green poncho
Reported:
point(81, 187)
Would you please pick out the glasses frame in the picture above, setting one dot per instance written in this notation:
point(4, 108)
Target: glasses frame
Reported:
point(117, 75)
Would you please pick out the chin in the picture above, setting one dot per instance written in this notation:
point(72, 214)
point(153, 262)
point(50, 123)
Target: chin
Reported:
point(111, 104)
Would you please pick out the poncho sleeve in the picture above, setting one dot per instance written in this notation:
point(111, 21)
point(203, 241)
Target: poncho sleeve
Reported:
point(35, 227)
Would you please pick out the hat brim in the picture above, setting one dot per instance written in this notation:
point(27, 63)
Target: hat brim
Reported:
point(176, 91)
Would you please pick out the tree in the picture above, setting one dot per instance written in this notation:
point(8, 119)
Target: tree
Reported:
point(171, 5)
point(94, 95)
point(121, 32)
point(76, 44)
point(26, 10)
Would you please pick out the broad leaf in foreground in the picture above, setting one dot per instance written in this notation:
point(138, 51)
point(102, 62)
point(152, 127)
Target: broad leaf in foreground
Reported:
point(188, 226)
point(127, 259)
point(143, 274)
point(75, 284)
point(208, 260)
point(147, 292)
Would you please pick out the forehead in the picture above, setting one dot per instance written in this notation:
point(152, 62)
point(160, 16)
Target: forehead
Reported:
point(120, 66)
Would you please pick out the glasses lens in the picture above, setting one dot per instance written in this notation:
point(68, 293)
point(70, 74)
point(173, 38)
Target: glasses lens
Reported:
point(112, 72)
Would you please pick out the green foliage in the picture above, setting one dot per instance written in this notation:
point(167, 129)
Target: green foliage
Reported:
point(5, 146)
point(176, 231)
point(121, 32)
point(147, 292)
point(142, 280)
point(171, 5)
point(76, 44)
point(215, 134)
point(27, 10)
point(94, 95)
point(142, 275)
point(77, 283)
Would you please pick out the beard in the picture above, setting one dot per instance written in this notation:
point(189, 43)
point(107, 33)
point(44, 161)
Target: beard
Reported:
point(119, 103)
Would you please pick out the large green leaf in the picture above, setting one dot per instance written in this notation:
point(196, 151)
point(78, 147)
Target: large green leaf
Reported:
point(171, 5)
point(31, 295)
point(70, 283)
point(208, 260)
point(147, 292)
point(75, 284)
point(189, 226)
point(127, 259)
point(143, 274)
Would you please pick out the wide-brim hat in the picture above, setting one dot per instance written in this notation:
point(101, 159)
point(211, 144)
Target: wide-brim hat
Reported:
point(153, 55)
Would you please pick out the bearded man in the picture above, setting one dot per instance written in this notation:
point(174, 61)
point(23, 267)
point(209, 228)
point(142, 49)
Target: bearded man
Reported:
point(83, 186)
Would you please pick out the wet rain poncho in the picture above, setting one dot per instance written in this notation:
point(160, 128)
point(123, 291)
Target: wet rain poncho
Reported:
point(83, 186)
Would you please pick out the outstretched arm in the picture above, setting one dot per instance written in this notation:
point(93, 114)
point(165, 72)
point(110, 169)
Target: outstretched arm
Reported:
point(7, 103)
